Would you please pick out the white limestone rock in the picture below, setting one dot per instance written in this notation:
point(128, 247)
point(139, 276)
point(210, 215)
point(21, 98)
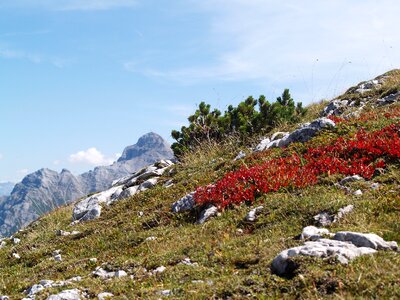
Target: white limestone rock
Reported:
point(104, 296)
point(120, 274)
point(159, 270)
point(34, 289)
point(342, 212)
point(335, 107)
point(184, 204)
point(16, 255)
point(148, 184)
point(73, 294)
point(313, 233)
point(4, 298)
point(58, 257)
point(166, 293)
point(322, 248)
point(240, 155)
point(263, 145)
point(368, 86)
point(349, 179)
point(207, 213)
point(357, 193)
point(369, 240)
point(188, 262)
point(129, 192)
point(323, 219)
point(252, 214)
point(395, 97)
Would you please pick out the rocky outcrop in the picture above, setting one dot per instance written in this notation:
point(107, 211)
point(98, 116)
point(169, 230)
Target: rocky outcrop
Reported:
point(344, 246)
point(90, 207)
point(301, 135)
point(44, 190)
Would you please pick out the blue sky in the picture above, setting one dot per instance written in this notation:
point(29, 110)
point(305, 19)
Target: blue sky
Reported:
point(82, 79)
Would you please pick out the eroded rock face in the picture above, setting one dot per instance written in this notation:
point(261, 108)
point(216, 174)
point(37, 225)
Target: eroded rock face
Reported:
point(90, 207)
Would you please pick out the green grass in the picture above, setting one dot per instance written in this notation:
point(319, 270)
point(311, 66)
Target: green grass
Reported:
point(233, 256)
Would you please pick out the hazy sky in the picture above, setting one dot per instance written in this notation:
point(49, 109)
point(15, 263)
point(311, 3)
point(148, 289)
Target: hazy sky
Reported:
point(82, 79)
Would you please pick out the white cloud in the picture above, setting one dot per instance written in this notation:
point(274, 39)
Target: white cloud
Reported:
point(91, 156)
point(73, 5)
point(305, 43)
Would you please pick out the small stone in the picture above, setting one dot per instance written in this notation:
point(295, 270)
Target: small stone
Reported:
point(104, 296)
point(313, 233)
point(375, 186)
point(240, 155)
point(34, 289)
point(239, 231)
point(343, 211)
point(263, 145)
point(166, 293)
point(16, 241)
point(74, 294)
point(358, 193)
point(58, 257)
point(62, 233)
point(187, 261)
point(184, 204)
point(197, 281)
point(207, 213)
point(252, 214)
point(56, 252)
point(93, 260)
point(46, 283)
point(16, 255)
point(323, 219)
point(4, 298)
point(159, 270)
point(349, 179)
point(151, 238)
point(168, 183)
point(120, 273)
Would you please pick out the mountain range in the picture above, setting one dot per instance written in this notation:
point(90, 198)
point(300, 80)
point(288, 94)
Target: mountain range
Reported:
point(45, 189)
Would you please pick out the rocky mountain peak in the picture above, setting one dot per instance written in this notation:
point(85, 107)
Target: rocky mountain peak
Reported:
point(149, 142)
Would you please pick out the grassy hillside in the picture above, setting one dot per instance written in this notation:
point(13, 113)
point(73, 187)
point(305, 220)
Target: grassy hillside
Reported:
point(233, 257)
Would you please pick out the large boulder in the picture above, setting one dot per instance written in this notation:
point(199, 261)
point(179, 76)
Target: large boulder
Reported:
point(343, 251)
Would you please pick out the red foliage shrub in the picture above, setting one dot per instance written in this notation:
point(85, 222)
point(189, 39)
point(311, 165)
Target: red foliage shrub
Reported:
point(361, 155)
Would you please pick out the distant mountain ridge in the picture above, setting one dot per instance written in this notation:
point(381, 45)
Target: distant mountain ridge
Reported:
point(45, 189)
point(6, 188)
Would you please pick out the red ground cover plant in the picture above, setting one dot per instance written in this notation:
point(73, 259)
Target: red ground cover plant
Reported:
point(361, 155)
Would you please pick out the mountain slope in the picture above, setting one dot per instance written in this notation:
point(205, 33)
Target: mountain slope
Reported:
point(44, 190)
point(230, 256)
